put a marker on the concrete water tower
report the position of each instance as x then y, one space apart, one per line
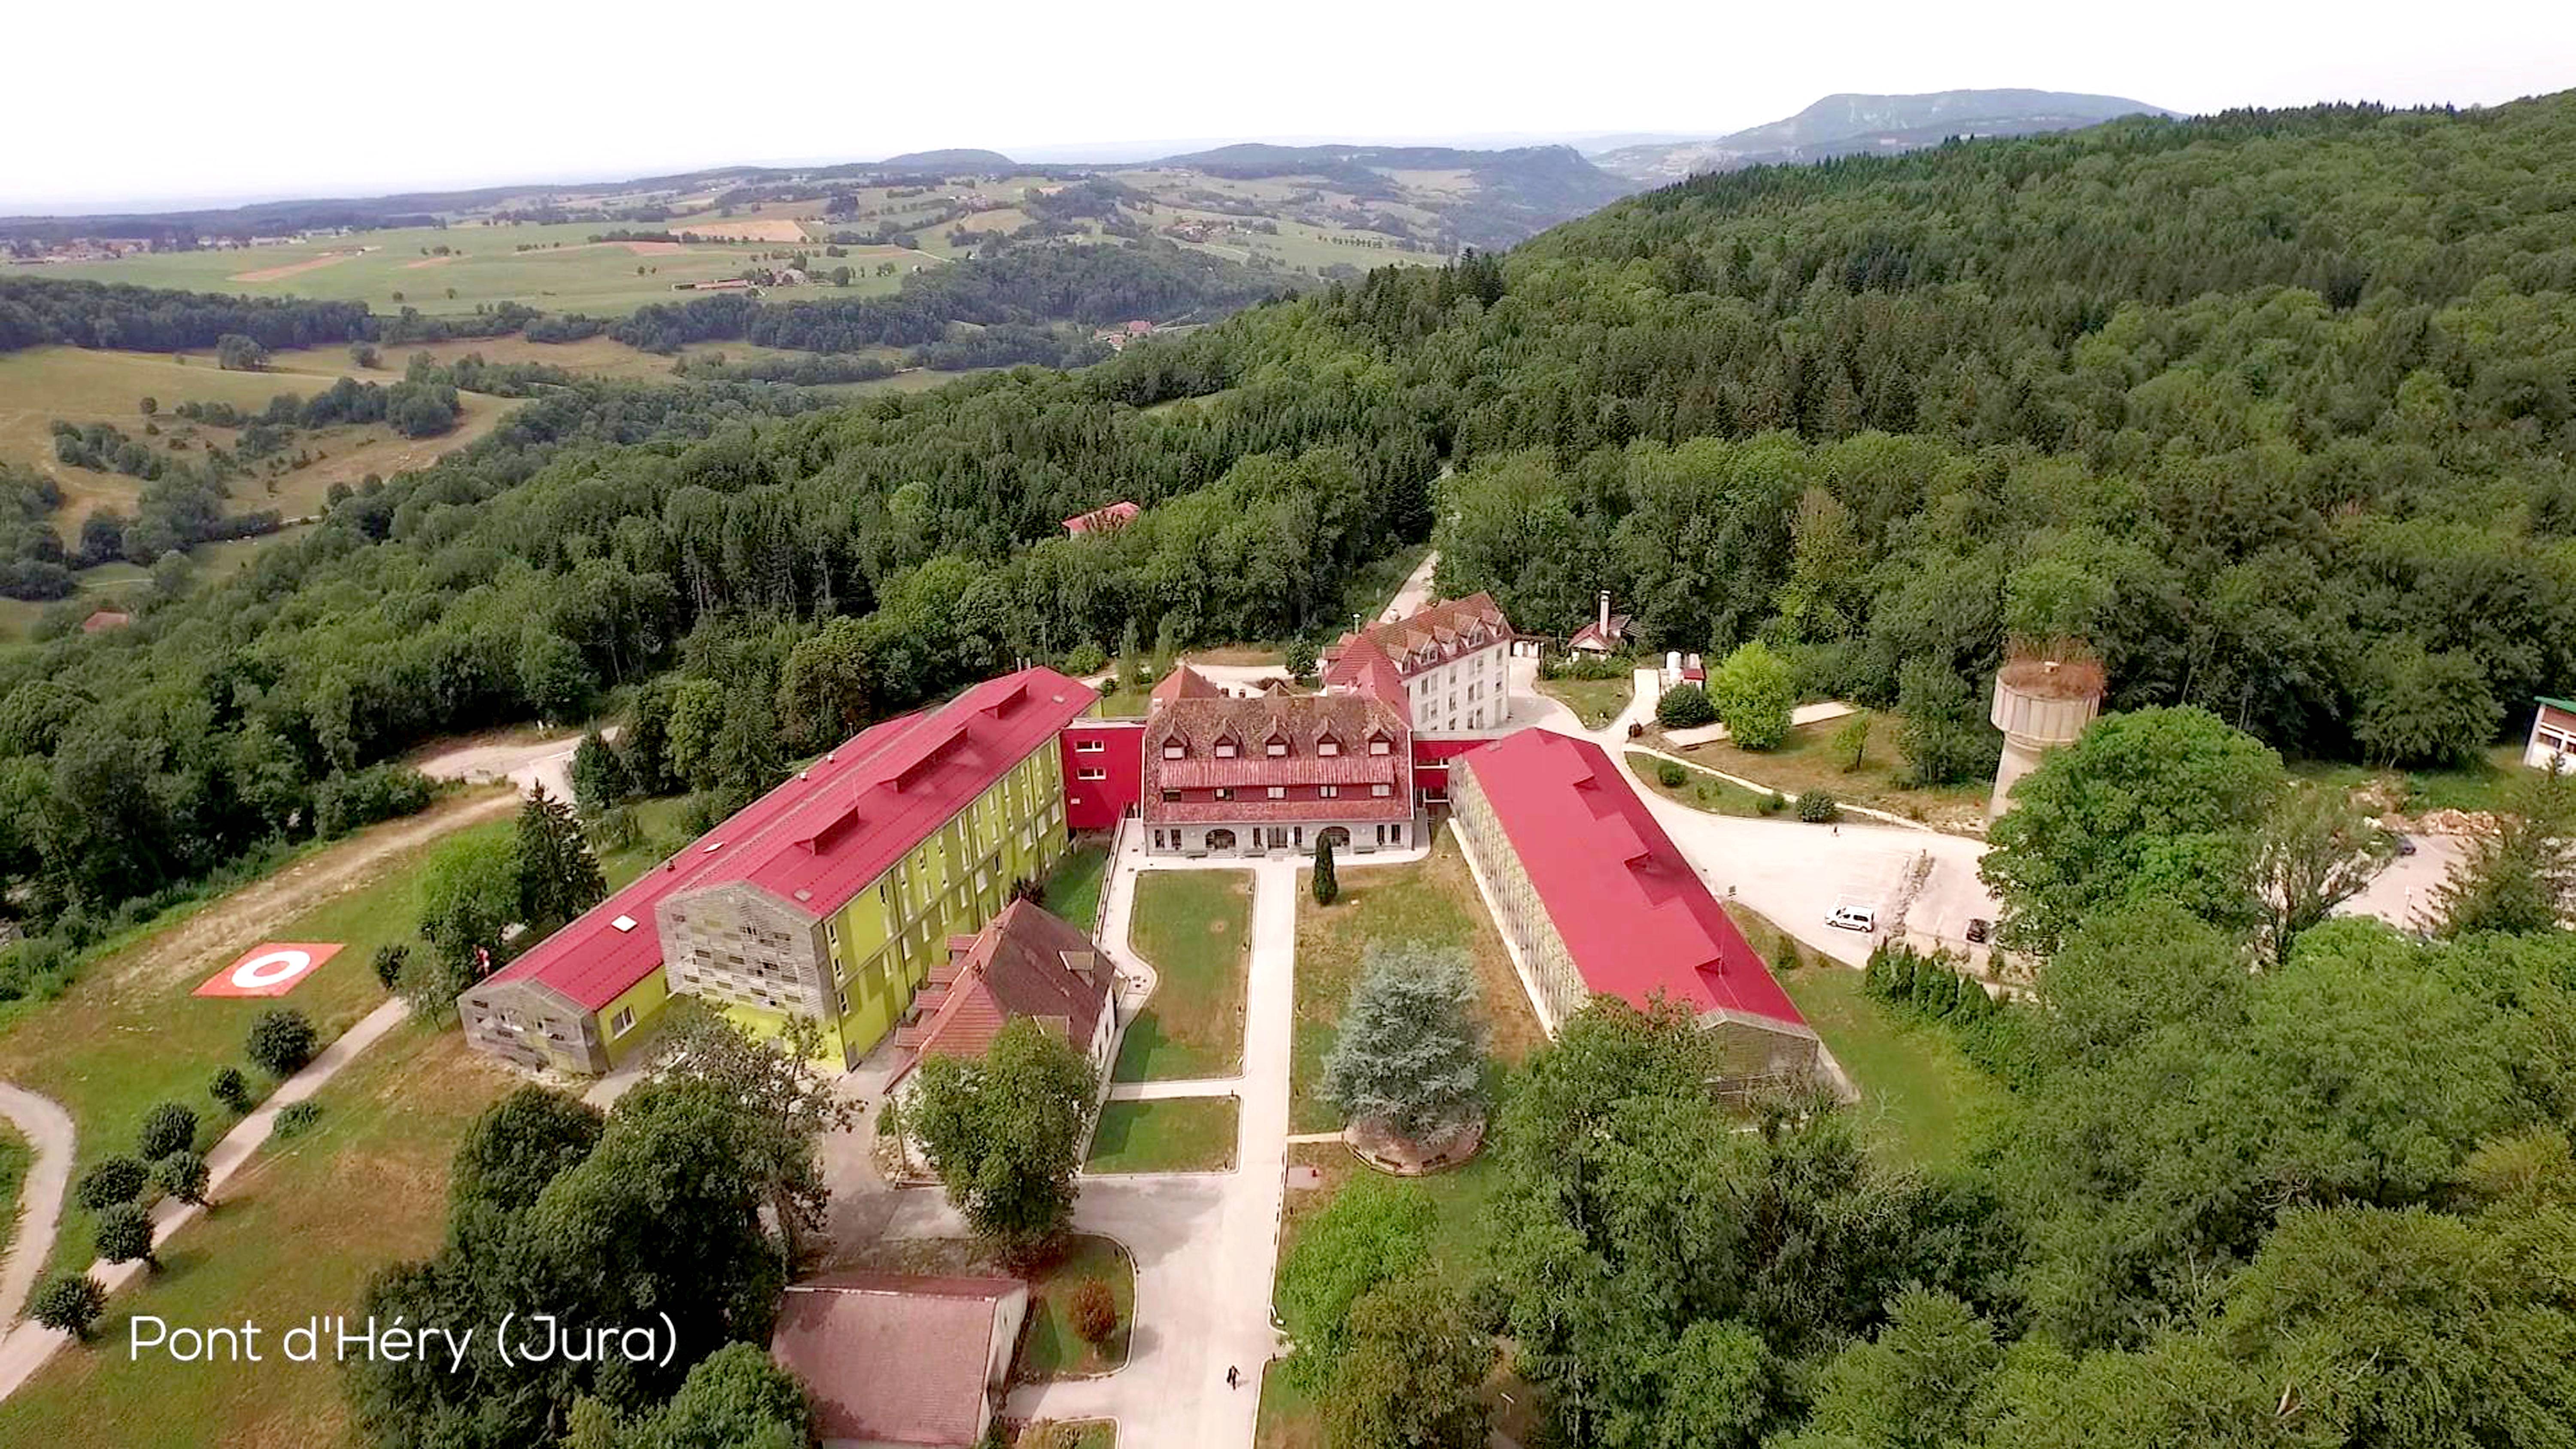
2043 699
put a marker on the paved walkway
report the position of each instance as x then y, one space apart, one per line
1414 592
48 1130
1204 1243
29 1344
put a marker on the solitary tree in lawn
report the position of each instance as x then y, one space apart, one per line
69 1303
1328 887
1004 1133
1411 1054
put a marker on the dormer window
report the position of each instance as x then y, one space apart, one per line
1328 746
1225 749
1174 749
1277 746
1378 745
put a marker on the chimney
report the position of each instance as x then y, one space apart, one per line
1603 618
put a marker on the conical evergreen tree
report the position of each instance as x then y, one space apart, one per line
558 877
1328 887
1411 1054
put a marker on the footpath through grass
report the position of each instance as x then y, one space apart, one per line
1433 901
1175 1134
296 1233
1072 890
126 1036
1194 928
1919 1093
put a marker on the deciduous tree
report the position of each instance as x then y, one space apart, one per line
1004 1133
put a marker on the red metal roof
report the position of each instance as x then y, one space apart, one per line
826 833
893 1359
1631 911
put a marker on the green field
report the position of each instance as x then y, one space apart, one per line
296 1233
1194 928
13 1172
1594 701
1176 1134
1919 1095
1073 887
128 1034
1699 789
551 268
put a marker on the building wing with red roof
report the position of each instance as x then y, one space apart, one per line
821 898
1598 901
901 1360
1025 963
1277 772
1445 665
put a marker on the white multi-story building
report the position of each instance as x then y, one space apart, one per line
1448 665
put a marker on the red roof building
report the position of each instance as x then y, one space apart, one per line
1108 518
901 1360
823 897
1446 666
1596 900
1606 634
1275 772
102 620
1026 962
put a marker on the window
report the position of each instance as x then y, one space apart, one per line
1225 749
1174 749
1328 747
832 935
1089 747
1278 792
1091 774
1171 797
1381 791
1278 748
1224 793
1378 746
1328 792
623 1022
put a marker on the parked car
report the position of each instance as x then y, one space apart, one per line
1978 929
1853 918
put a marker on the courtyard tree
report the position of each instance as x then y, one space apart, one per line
558 878
1328 886
1004 1132
1755 691
2313 852
1410 1375
1410 1056
1094 1312
281 1041
1851 740
772 1079
229 1090
1941 732
183 1175
468 894
1684 706
69 1303
1374 1231
600 781
110 1181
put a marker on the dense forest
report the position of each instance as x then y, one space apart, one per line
2270 411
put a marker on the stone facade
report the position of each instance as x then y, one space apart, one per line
534 1026
738 946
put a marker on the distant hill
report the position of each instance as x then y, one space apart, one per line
1487 199
1848 125
956 159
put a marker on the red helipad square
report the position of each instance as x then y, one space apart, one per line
272 968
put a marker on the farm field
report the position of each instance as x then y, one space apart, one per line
553 268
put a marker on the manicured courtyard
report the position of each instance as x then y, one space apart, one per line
1176 1134
1194 928
1594 701
1433 901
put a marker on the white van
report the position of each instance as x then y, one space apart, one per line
1853 918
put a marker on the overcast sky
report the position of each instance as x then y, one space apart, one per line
158 102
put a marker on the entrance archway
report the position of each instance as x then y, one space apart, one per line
1335 836
1220 840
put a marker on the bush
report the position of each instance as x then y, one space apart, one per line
1819 807
116 1180
167 1128
297 1119
182 1175
1670 775
353 798
1771 804
281 1042
1085 659
1685 706
1094 1312
69 1303
229 1090
125 1234
38 966
391 957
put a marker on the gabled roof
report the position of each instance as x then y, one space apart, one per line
1632 912
1026 962
1426 637
822 837
893 1359
1185 683
1593 633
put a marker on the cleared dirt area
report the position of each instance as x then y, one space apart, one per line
213 935
296 269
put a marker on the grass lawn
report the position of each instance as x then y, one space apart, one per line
658 824
1807 760
1050 1349
1699 789
128 1034
1073 887
2480 785
1087 1434
1595 701
1123 702
1178 1134
14 1158
1918 1093
1194 927
297 1233
1432 900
